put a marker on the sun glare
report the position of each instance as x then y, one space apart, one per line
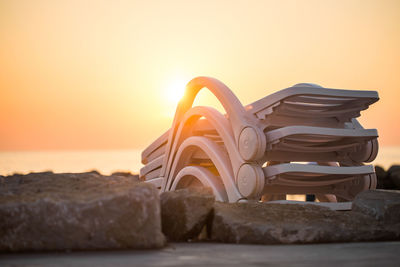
174 90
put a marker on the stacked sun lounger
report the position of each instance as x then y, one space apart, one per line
304 139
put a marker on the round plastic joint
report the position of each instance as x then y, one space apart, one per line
368 152
250 180
250 144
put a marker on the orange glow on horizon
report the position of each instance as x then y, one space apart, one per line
106 75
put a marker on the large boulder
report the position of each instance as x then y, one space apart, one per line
383 205
394 175
185 212
46 211
383 181
380 172
393 168
389 179
263 223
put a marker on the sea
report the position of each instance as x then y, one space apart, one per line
109 161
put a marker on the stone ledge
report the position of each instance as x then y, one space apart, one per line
263 223
383 205
45 211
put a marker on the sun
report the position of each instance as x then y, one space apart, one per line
174 90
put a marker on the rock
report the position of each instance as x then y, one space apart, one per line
393 168
46 211
185 212
263 223
383 205
329 205
381 177
380 172
395 178
126 174
94 172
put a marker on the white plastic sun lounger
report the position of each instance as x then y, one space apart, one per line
303 123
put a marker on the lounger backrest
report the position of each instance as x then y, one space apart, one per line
312 106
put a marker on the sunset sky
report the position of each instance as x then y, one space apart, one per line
108 74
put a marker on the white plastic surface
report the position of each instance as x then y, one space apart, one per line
305 122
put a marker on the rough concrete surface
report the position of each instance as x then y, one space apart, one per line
211 254
185 212
383 205
257 223
46 211
89 211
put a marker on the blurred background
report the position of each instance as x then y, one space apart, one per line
89 84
